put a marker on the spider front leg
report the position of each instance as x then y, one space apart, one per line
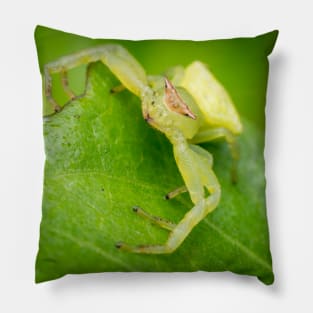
122 64
220 132
117 89
175 192
48 91
195 165
162 222
65 84
180 231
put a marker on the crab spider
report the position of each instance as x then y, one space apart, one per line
190 107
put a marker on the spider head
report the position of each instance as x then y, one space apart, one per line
169 108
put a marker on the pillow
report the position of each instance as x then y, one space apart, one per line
110 160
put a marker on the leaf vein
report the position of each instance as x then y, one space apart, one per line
240 245
236 242
92 247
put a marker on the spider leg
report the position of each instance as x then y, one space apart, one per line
121 63
64 80
195 165
180 232
48 91
117 89
65 85
162 222
175 192
220 132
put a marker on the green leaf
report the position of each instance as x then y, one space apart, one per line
102 159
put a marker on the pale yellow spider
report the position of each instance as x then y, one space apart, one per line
190 107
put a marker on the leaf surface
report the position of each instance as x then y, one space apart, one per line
102 159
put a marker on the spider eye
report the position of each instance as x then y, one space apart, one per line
174 102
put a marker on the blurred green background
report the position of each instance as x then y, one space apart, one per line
237 63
